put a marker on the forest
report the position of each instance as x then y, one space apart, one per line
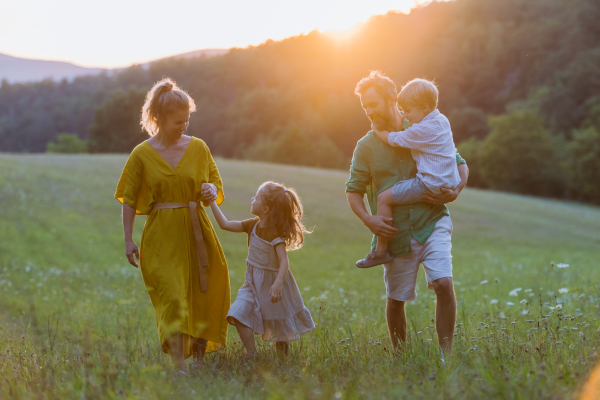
518 79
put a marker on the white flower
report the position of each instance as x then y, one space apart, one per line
502 315
510 303
494 301
563 290
562 265
524 312
482 282
528 290
514 292
552 308
559 306
523 301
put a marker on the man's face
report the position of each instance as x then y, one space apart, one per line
378 110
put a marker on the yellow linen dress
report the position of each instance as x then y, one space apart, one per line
168 252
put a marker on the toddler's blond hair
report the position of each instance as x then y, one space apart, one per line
418 93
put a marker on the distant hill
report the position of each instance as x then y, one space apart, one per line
21 70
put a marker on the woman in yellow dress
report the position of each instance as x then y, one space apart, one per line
181 259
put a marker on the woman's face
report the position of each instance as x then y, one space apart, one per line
175 124
258 208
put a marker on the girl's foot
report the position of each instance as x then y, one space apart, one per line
248 358
375 258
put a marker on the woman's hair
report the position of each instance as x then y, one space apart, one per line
164 98
285 213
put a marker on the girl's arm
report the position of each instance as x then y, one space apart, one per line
284 266
131 248
231 226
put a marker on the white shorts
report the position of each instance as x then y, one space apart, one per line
400 275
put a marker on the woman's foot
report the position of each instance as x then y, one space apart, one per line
375 258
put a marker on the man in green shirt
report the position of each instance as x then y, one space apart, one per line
419 232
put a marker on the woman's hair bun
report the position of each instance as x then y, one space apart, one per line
164 97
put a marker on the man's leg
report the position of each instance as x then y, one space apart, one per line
445 312
396 321
385 201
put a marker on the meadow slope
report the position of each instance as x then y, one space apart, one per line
76 321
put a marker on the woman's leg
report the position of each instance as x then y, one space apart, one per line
282 349
198 348
176 351
247 336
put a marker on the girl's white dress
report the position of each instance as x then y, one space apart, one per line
283 321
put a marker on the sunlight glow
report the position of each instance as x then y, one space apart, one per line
124 32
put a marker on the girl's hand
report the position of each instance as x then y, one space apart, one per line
209 191
131 250
275 292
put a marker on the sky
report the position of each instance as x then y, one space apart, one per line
119 33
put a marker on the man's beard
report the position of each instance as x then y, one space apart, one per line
381 121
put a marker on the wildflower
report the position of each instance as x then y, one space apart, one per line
510 303
562 265
515 291
563 290
502 315
527 290
524 312
482 282
559 306
523 301
494 301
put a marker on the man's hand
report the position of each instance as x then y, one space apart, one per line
209 191
380 226
447 196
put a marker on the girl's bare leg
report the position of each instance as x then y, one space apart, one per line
283 349
385 201
247 336
176 351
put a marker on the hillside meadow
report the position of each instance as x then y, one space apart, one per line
76 321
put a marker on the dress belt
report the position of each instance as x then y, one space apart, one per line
197 228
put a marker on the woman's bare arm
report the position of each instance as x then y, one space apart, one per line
131 249
231 226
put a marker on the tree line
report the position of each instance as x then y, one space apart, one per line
518 79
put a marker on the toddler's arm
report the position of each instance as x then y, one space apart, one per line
231 226
383 135
284 266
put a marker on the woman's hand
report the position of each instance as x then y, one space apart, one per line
132 253
275 292
209 191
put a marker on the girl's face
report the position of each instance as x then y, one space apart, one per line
258 208
175 124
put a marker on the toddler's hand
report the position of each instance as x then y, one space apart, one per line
383 135
209 191
275 292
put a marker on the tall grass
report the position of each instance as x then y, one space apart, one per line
76 321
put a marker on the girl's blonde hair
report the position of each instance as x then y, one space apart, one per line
164 98
285 213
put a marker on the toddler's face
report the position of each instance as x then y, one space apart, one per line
416 114
258 208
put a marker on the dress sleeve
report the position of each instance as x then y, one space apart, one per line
132 188
215 178
247 224
360 173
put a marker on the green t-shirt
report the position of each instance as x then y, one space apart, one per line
377 166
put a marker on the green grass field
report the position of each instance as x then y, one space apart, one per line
76 321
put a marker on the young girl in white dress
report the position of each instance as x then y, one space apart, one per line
269 303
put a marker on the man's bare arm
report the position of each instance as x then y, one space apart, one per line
377 224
